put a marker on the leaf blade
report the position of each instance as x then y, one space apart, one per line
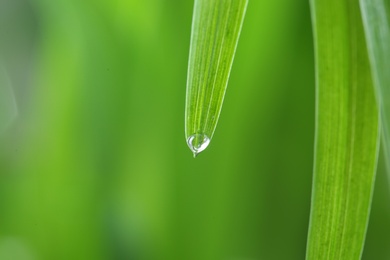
346 148
216 27
376 21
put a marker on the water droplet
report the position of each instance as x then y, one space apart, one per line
197 143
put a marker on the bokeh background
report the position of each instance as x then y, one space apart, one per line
94 164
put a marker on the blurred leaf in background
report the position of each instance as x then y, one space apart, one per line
376 21
95 166
8 108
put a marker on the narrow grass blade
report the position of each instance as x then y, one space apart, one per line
8 109
376 21
216 27
347 133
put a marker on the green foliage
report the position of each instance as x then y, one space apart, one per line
95 166
376 21
8 108
347 133
216 27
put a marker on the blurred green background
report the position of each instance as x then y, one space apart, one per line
95 165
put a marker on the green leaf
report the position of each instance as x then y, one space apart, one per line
216 27
8 109
347 133
376 21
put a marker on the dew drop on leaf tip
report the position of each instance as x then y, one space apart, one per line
198 143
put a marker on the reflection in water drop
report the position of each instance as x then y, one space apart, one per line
197 143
